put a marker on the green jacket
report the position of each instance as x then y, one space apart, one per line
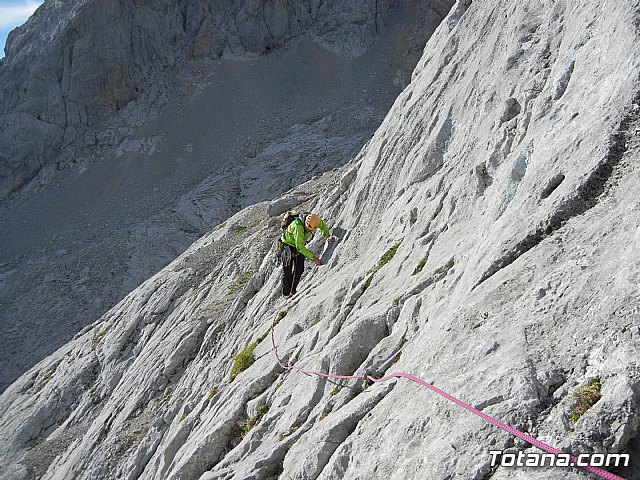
296 236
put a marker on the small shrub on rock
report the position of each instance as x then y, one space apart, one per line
586 397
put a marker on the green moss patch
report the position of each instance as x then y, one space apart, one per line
386 258
586 397
97 338
212 393
241 282
421 264
242 361
248 425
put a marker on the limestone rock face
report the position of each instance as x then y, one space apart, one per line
489 243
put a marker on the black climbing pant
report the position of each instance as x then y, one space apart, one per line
291 273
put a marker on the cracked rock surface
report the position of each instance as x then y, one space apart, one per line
489 243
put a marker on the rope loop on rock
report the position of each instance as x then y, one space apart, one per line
521 435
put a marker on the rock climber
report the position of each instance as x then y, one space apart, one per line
296 234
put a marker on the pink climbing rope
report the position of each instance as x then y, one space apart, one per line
523 436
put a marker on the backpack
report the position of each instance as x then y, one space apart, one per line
283 253
289 218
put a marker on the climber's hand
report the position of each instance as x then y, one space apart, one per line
317 261
331 239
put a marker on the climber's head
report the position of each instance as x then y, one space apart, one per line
311 222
